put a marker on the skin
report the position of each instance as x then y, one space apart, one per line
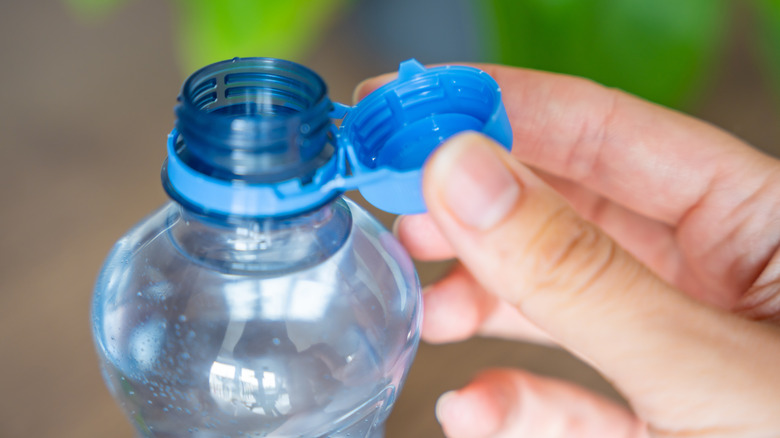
641 239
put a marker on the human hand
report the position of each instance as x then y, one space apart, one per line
640 239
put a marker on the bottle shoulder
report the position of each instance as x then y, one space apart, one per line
144 232
167 242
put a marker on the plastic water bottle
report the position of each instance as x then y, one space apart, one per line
259 302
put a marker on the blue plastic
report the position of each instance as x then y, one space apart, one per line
394 129
228 198
288 165
258 120
252 139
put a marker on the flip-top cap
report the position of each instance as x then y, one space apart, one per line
393 130
255 137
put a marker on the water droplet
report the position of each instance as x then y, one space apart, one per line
276 341
182 318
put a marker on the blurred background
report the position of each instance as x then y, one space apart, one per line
89 88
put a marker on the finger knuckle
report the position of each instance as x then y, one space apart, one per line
570 253
761 302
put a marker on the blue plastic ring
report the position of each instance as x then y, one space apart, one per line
236 198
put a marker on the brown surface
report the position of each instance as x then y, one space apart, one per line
83 115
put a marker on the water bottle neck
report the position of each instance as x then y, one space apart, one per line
258 120
262 245
252 139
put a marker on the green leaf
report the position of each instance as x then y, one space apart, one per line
93 9
768 14
661 50
210 31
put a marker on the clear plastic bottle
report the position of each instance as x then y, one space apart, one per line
216 325
259 302
212 329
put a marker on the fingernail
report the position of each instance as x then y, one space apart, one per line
396 223
478 187
441 404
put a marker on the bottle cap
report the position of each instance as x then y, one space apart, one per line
391 132
380 145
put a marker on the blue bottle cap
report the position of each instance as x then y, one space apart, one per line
392 131
251 139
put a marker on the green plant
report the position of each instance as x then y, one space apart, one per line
662 50
768 13
209 31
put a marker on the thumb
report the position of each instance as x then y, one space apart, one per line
523 243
